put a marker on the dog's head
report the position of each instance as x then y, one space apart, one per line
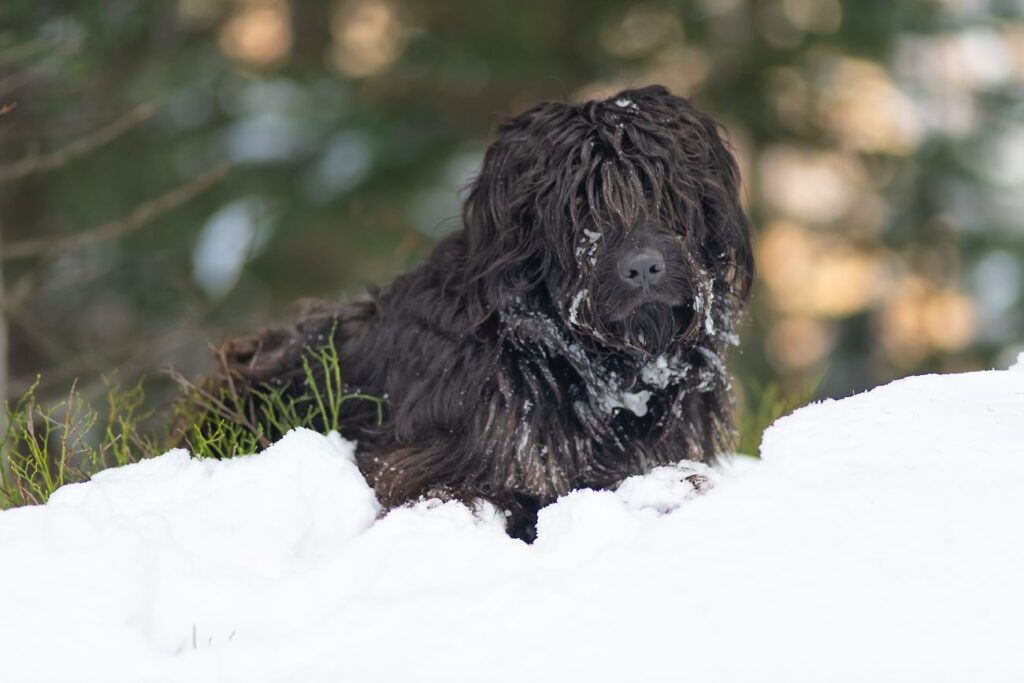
621 214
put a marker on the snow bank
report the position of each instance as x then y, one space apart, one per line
879 539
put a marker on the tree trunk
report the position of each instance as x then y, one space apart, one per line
3 365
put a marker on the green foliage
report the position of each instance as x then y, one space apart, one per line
219 420
763 405
48 445
813 86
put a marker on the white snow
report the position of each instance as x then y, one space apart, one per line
633 401
709 308
878 540
574 307
586 253
626 103
660 373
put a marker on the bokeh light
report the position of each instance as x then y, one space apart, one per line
881 147
258 33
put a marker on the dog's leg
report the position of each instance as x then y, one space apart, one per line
521 520
402 475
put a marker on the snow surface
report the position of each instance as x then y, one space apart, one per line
878 540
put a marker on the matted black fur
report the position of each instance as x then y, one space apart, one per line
518 362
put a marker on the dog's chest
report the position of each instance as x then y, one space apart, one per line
616 403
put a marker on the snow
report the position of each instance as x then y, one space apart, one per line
660 373
574 307
706 302
633 401
626 103
586 253
878 539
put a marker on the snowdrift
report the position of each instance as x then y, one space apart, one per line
879 539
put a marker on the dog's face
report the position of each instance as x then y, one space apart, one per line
622 214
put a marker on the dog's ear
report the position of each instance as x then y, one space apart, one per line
728 241
723 235
502 215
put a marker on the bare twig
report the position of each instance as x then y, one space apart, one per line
130 361
118 228
35 163
14 297
46 343
202 396
20 51
19 78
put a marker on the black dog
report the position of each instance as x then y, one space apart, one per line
569 335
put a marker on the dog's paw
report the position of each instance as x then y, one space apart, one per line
664 489
484 512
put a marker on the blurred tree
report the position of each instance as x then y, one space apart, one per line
881 144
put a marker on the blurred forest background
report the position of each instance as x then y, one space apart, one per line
172 172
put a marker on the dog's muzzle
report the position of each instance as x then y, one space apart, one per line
641 268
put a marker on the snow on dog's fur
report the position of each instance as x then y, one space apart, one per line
519 361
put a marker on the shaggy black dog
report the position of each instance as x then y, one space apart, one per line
569 335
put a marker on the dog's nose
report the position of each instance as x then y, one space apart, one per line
642 268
